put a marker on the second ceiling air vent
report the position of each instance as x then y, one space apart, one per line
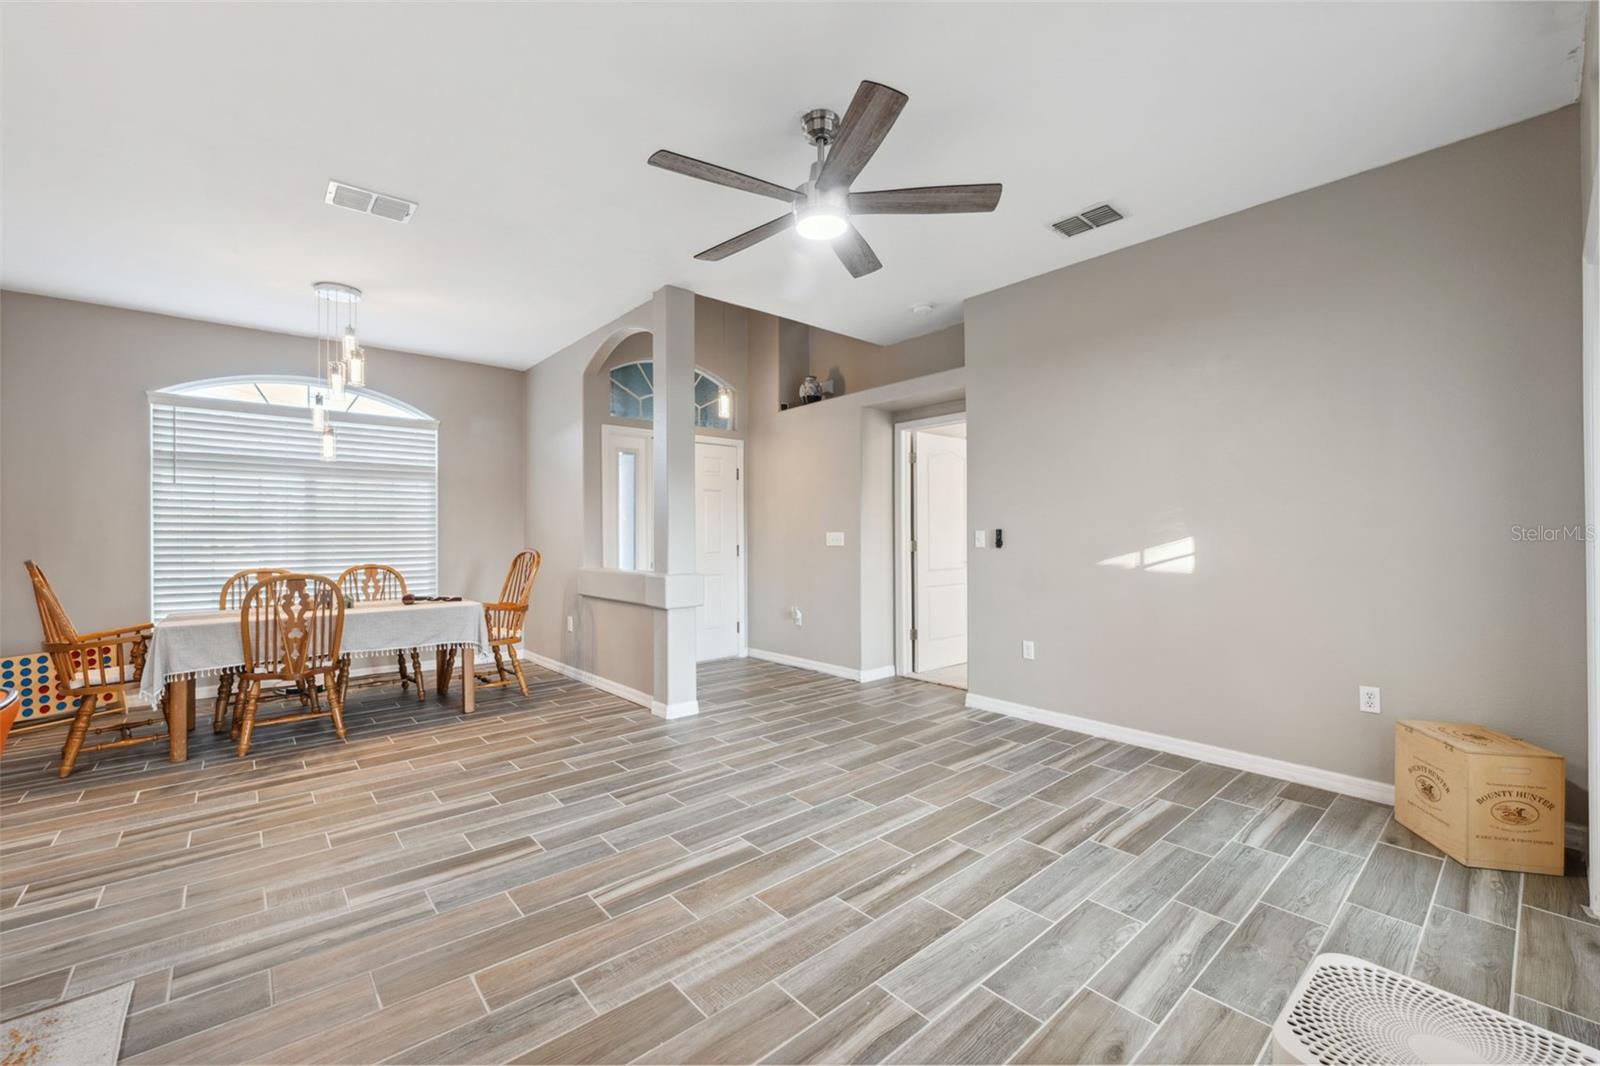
1087 219
368 202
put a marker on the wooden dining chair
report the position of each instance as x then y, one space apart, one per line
506 617
94 669
231 599
374 582
291 627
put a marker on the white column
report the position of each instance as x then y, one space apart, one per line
673 352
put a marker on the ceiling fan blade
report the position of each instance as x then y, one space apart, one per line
863 128
927 200
855 253
748 238
695 168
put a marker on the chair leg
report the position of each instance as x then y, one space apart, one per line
522 680
499 663
76 734
336 709
416 670
247 716
405 679
219 710
342 679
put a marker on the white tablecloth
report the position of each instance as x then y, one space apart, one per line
197 643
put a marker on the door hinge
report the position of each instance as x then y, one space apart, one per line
738 550
913 633
738 627
913 547
737 473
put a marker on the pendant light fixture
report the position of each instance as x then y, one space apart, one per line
341 361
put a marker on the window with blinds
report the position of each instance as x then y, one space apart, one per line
236 485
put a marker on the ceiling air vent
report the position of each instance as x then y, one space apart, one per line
1087 219
369 203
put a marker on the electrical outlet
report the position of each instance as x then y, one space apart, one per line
799 619
835 540
1027 649
569 623
1369 700
978 538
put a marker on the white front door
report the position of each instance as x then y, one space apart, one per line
939 561
718 552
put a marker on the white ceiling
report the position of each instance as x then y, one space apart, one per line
173 157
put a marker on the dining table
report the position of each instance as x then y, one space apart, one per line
187 645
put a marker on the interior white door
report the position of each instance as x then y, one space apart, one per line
717 549
939 561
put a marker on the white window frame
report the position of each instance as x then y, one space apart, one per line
614 441
421 568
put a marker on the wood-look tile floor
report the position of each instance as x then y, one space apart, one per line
809 871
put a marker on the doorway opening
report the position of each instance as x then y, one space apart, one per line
719 548
931 550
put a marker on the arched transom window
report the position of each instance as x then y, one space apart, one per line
633 396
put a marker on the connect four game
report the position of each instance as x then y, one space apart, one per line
31 675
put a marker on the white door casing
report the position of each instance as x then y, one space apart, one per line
719 555
939 564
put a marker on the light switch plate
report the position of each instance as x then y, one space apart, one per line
979 537
835 540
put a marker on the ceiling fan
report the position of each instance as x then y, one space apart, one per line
823 205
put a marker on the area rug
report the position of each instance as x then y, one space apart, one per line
80 1032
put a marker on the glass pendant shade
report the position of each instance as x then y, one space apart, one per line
330 448
348 341
355 367
724 403
319 414
336 381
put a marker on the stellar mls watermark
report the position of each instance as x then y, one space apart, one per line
1552 534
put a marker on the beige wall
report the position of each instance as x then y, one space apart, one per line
829 467
857 365
1349 398
75 450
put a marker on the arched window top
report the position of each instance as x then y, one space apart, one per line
633 396
283 391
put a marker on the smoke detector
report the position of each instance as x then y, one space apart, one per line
1087 219
355 198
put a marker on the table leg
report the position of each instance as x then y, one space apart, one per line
180 717
438 672
469 681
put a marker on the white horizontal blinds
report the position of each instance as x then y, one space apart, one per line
236 486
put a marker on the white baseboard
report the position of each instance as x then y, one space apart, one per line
877 673
1298 773
684 709
604 684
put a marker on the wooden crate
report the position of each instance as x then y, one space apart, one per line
1482 797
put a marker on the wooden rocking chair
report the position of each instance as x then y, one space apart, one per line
506 618
94 669
373 582
291 627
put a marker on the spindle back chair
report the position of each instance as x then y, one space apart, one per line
506 616
376 582
291 627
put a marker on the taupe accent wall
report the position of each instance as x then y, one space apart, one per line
75 450
1351 399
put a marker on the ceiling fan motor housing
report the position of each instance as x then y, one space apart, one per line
820 125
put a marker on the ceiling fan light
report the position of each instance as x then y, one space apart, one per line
819 222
